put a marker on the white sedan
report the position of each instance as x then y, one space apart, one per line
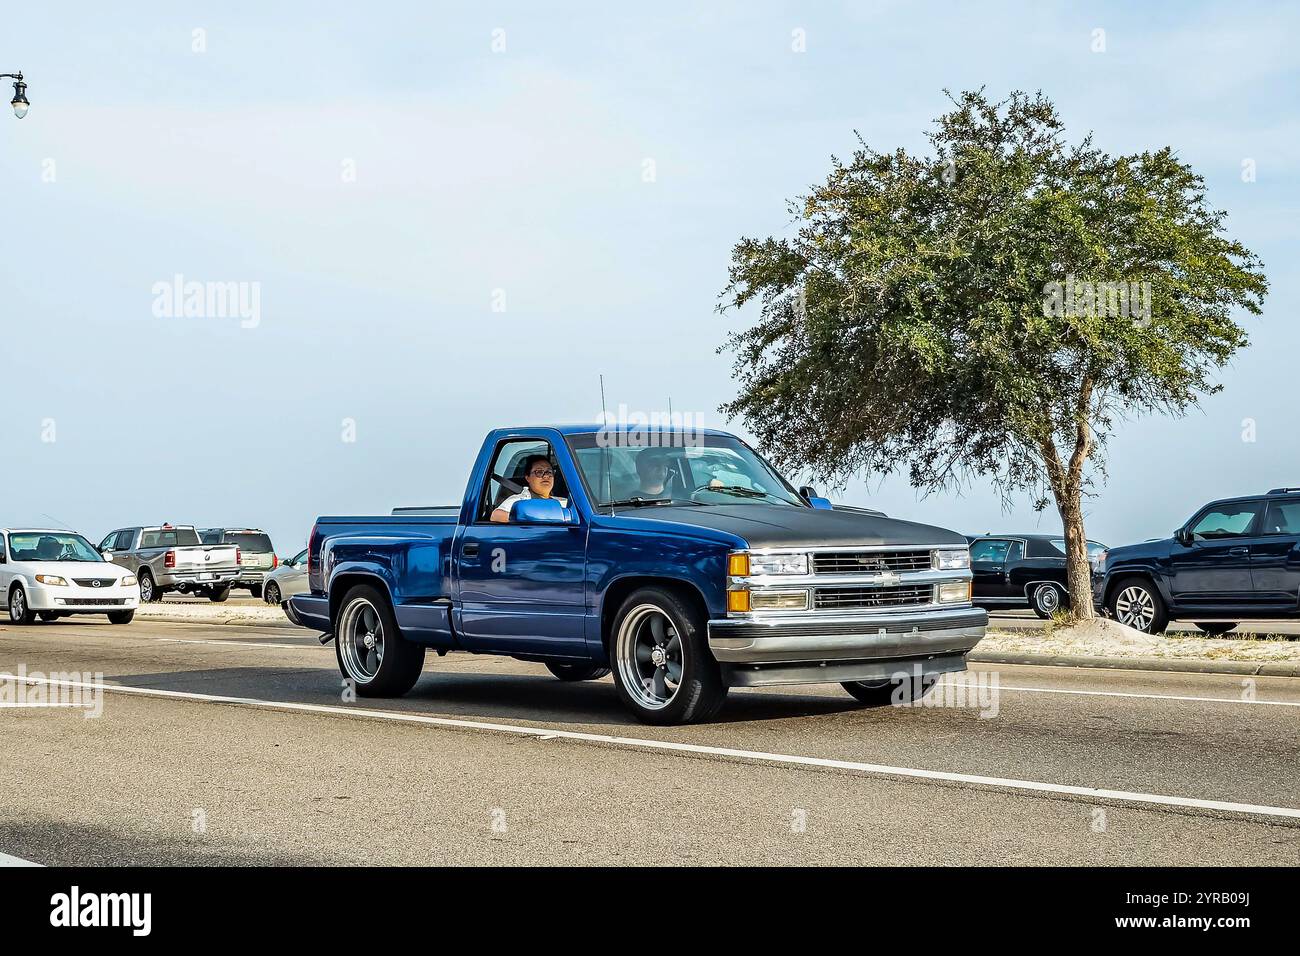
50 574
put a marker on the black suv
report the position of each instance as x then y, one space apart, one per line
1234 560
1021 570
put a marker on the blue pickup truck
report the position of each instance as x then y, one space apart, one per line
679 559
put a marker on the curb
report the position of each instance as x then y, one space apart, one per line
167 619
1250 668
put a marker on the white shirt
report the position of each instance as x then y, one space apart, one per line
526 493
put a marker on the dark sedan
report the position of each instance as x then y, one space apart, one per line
1021 570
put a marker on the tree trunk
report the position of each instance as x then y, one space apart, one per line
1078 572
1066 481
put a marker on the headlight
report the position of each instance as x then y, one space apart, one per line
129 581
953 560
744 564
957 592
53 579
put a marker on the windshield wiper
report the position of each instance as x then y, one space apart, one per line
637 502
744 492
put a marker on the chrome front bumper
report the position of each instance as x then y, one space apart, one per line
818 647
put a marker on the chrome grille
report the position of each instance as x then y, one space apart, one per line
831 599
858 562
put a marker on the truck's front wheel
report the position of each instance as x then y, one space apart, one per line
663 670
372 653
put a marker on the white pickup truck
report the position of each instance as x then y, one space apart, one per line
172 558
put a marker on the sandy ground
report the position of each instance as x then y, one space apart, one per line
1102 637
209 613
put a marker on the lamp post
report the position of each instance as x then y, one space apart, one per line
19 102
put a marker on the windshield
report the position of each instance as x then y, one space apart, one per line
51 546
252 543
712 470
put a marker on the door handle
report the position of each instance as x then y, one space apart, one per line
469 549
1241 550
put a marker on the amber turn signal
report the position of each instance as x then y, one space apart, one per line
737 600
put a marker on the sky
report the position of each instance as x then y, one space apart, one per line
455 217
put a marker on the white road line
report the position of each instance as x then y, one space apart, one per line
230 643
1115 693
1005 783
7 860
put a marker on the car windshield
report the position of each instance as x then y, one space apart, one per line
662 468
251 542
51 546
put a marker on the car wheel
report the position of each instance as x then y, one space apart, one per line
148 589
255 590
218 595
371 651
121 617
271 594
881 693
573 672
1215 628
663 670
19 612
49 615
1046 600
1136 603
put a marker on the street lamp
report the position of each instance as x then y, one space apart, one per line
19 102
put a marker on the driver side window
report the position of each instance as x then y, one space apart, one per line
506 476
1227 521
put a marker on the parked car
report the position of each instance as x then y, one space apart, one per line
288 579
50 574
1234 560
257 554
1021 570
722 576
172 558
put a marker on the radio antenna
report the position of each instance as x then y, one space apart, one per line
604 415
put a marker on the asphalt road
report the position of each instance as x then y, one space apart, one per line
493 761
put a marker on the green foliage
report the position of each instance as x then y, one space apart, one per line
903 325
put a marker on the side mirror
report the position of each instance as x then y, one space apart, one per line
542 511
108 555
821 504
1183 537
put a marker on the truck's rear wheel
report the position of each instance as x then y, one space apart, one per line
879 693
663 670
148 590
255 590
219 594
371 651
571 672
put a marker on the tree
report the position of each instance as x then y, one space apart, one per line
988 310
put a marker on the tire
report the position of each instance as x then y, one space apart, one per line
149 591
1136 603
49 615
256 590
218 595
882 693
659 639
386 665
576 672
19 612
271 593
1215 628
1046 600
121 617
